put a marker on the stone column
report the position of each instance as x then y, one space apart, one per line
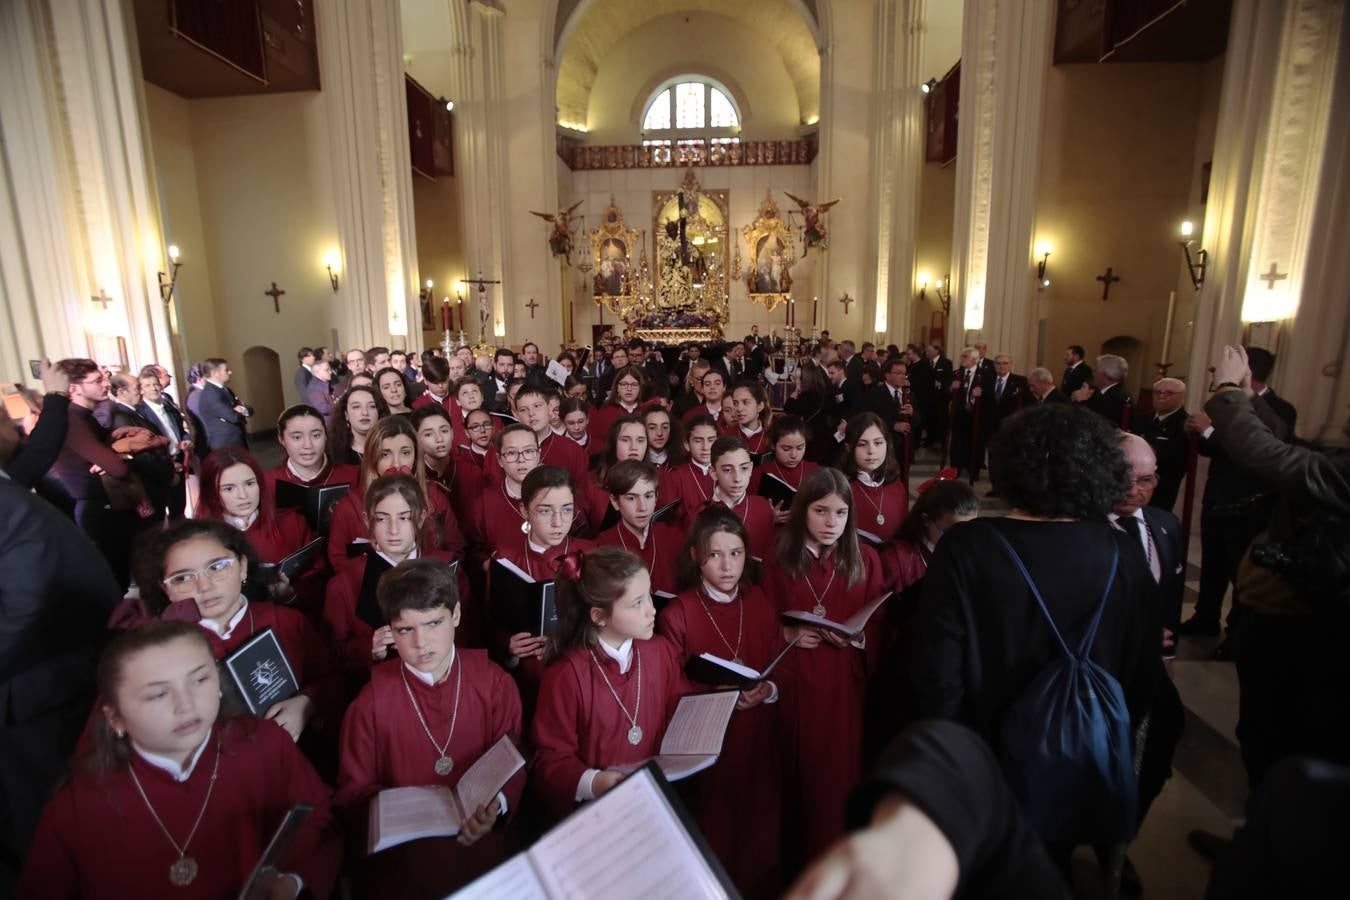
1005 55
361 60
79 215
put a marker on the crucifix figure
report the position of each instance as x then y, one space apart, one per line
483 312
1107 280
275 293
532 306
101 298
846 300
1272 276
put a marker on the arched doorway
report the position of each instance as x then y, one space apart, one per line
262 382
1132 351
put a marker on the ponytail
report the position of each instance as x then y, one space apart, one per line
591 580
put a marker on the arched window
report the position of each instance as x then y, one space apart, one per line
689 107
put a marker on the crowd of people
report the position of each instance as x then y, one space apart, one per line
680 501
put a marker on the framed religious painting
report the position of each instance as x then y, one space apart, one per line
612 246
769 249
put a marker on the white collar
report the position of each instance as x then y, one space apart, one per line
642 538
585 439
216 383
290 467
701 467
307 368
1166 415
154 404
1265 390
658 457
560 432
125 405
474 448
715 412
812 550
536 547
626 407
718 596
623 656
1075 365
868 481
242 524
748 433
719 497
513 494
175 771
382 555
1108 387
1138 514
224 633
426 677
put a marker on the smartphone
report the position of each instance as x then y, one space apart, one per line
35 366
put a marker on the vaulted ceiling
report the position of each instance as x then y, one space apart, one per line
589 29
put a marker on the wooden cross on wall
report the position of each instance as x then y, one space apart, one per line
275 293
532 306
1107 280
101 298
846 300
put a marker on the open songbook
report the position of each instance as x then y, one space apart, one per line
300 560
519 603
665 513
314 503
694 737
851 628
398 815
274 857
709 669
870 539
652 849
777 491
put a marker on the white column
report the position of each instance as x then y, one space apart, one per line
361 58
79 210
1005 56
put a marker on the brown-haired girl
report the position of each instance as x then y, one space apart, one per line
501 516
634 488
626 442
352 418
461 483
608 695
750 406
719 611
173 801
821 568
575 413
874 474
789 438
625 399
304 436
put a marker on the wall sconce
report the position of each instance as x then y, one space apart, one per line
1194 264
927 86
426 291
331 262
167 280
1043 251
923 286
449 104
944 296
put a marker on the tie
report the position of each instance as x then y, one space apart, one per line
1132 526
998 394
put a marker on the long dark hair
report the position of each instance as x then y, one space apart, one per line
591 580
641 376
857 426
793 555
209 505
339 430
610 457
711 520
947 497
154 547
675 453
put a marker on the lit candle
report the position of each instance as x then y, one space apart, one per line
446 318
815 301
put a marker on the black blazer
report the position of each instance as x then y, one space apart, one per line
848 399
877 399
1171 445
224 425
174 416
1055 396
1014 396
1075 377
1113 405
1165 529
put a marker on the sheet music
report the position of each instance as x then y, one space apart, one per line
628 844
403 814
482 780
743 671
684 765
514 878
699 724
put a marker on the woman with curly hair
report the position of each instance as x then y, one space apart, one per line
979 637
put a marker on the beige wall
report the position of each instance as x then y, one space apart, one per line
440 250
933 249
692 42
1117 174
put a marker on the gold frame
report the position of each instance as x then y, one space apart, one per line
721 200
768 224
613 228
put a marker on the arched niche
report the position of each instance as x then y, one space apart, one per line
262 387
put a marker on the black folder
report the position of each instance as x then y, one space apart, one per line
260 672
314 503
777 491
520 604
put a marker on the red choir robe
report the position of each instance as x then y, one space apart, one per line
274 541
384 746
823 699
579 725
461 486
703 410
890 502
542 567
664 543
757 515
598 425
757 443
747 776
98 839
331 473
499 519
693 487
592 503
441 531
792 477
554 450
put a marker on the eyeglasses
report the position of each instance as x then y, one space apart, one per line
1145 481
517 455
481 426
216 571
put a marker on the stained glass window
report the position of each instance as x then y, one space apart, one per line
691 104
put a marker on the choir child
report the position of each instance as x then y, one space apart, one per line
424 719
394 390
821 568
719 611
207 563
633 488
501 514
353 417
624 398
548 501
391 447
534 411
396 511
692 482
732 469
468 397
479 425
626 440
233 491
576 420
436 380
610 688
174 800
874 474
713 387
304 438
665 439
752 413
788 437
460 483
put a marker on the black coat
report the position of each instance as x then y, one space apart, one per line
1171 445
1113 405
1013 400
878 399
1164 529
1055 396
1075 377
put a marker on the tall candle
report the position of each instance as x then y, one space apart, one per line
1167 330
446 319
815 301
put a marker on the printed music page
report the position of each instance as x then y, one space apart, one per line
514 878
405 814
480 782
699 724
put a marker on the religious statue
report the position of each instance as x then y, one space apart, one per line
814 232
560 239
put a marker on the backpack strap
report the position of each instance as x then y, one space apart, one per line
1085 645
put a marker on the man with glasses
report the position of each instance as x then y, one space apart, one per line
1164 428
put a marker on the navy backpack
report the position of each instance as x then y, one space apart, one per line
1067 751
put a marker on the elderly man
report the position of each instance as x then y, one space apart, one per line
1041 388
1106 396
971 392
1165 430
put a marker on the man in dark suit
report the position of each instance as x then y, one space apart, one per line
736 365
304 373
1076 372
1107 396
642 355
970 415
1041 388
940 374
223 416
157 408
1165 431
985 365
888 401
153 465
847 392
1009 394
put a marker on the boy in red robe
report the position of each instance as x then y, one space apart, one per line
633 490
732 469
692 481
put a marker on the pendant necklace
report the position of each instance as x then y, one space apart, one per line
641 549
184 869
634 733
740 624
444 764
693 469
524 522
881 520
819 609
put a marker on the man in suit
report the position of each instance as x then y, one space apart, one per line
940 375
1159 537
649 360
736 365
1076 372
319 392
152 464
970 414
1041 388
1165 431
888 401
847 392
1106 395
1009 394
985 365
304 373
223 416
167 421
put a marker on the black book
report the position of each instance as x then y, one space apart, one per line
274 857
300 560
661 599
760 459
851 628
367 602
707 668
260 672
314 503
777 491
519 603
667 512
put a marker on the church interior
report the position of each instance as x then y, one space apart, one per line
1151 181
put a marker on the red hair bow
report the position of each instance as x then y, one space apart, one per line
948 474
571 566
132 612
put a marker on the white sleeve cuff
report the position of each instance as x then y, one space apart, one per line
838 438
501 801
586 785
773 693
1207 432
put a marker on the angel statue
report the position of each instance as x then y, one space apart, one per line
813 230
560 239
